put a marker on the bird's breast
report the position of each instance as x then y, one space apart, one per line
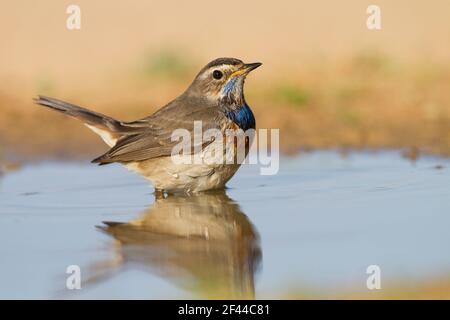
242 116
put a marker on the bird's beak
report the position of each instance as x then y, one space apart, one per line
251 66
246 68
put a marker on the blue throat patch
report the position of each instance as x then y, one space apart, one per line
242 116
229 86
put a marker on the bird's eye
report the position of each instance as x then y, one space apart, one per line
217 74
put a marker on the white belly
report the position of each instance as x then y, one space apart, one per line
168 175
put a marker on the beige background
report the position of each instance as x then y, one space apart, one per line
114 34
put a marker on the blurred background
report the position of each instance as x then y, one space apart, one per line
327 82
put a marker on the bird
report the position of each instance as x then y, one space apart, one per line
215 99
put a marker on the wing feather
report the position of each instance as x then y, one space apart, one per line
154 139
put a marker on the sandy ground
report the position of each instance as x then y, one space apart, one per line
432 289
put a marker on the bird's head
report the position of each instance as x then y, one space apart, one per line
223 80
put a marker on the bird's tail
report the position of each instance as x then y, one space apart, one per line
85 115
108 128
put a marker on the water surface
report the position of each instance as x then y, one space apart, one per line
314 227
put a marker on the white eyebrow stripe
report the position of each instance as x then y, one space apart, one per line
221 67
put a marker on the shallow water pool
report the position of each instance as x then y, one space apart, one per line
314 228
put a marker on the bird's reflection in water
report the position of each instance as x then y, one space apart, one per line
203 243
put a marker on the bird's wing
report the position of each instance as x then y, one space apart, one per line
154 138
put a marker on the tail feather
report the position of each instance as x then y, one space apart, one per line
92 118
109 129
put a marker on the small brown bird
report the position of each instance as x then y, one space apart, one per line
215 99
